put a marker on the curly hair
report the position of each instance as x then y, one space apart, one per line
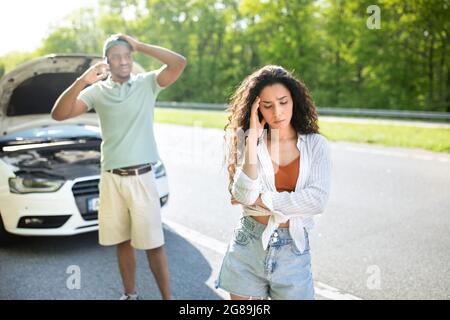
304 115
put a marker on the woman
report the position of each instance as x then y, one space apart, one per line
279 171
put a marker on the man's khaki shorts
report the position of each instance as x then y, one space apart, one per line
130 210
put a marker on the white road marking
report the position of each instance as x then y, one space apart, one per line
220 247
196 237
331 293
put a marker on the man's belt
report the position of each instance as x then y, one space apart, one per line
132 171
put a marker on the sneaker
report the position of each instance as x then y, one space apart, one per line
127 296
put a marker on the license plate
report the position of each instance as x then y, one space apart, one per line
93 204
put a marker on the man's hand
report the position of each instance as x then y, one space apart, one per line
174 62
97 72
134 43
68 105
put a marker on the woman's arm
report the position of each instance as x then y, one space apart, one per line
246 186
245 189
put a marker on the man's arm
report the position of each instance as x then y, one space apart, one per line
67 105
175 63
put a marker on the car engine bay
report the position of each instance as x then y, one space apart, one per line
68 162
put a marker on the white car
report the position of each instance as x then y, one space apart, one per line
49 170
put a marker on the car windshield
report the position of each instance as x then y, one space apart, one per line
51 133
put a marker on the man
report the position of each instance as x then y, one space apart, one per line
129 213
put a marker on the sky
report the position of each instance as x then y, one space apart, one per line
24 23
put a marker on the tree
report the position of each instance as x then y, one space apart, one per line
78 33
403 65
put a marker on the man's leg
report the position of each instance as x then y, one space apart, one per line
115 226
127 265
158 264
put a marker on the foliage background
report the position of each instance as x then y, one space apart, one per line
403 65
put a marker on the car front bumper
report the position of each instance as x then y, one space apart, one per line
60 213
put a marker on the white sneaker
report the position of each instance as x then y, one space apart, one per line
127 296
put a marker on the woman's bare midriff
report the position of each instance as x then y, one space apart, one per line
265 220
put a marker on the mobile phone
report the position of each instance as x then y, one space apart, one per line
105 60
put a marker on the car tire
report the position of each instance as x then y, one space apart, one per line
5 236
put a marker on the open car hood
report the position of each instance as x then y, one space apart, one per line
28 93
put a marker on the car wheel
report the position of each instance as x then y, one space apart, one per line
5 236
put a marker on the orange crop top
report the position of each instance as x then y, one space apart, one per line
286 177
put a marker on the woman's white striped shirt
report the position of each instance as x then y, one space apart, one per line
299 206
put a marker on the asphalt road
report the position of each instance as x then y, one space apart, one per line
384 235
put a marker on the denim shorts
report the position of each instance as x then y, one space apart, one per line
281 272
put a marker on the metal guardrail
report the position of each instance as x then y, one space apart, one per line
192 105
424 115
390 114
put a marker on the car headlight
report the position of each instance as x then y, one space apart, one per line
27 185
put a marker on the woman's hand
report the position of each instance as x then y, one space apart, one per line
258 203
256 126
234 201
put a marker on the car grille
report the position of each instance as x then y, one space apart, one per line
83 191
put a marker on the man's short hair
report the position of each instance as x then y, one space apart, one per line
114 41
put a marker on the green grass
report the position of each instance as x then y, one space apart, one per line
434 139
